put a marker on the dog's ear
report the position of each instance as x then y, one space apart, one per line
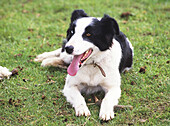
78 14
109 25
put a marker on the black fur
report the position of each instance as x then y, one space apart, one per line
71 31
102 32
127 58
78 14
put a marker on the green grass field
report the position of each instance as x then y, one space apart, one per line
33 97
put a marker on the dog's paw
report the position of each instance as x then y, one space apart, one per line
41 57
46 62
106 114
82 111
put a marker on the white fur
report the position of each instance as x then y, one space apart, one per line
4 73
89 76
66 58
131 46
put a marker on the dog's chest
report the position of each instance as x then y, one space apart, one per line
91 75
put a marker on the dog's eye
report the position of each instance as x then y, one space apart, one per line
88 34
71 32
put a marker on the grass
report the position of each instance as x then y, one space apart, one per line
29 28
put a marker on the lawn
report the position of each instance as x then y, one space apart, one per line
33 97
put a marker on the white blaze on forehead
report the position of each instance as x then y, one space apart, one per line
82 23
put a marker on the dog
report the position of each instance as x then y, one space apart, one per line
96 52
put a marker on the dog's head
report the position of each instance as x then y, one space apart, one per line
87 35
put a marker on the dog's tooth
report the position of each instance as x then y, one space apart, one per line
85 55
87 52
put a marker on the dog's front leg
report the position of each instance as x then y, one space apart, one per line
47 55
74 96
108 103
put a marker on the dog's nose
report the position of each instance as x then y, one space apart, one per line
69 49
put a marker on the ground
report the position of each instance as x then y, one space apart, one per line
34 97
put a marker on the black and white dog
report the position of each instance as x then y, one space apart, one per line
96 52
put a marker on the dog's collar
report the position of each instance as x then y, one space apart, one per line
100 68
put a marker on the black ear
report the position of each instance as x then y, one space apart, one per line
109 25
78 14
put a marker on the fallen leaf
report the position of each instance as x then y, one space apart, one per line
60 35
10 101
124 22
142 70
43 96
142 120
18 55
20 68
31 56
125 15
49 80
54 103
29 60
129 124
54 99
24 11
155 76
24 88
133 83
17 104
65 120
18 100
14 72
30 29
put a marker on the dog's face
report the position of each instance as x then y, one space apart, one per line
87 35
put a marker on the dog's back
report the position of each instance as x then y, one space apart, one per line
127 52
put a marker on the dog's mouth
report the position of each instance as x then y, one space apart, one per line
78 61
85 56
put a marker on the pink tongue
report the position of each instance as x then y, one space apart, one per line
74 66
